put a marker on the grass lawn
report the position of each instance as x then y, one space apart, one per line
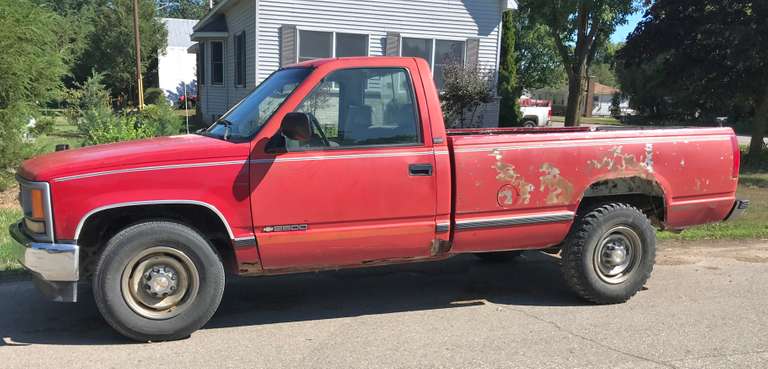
7 217
610 121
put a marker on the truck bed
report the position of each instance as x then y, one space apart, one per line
537 178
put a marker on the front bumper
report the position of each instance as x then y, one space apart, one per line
739 207
54 266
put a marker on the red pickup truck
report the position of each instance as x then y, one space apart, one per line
343 163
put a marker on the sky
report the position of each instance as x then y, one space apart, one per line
621 33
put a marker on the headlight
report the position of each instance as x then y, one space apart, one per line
36 203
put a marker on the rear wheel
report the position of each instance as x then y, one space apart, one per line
158 281
499 256
529 124
609 254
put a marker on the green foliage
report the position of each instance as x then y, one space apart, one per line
105 127
698 59
110 44
577 28
509 88
153 96
32 60
616 105
187 9
538 62
160 119
466 89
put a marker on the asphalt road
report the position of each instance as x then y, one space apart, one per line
704 307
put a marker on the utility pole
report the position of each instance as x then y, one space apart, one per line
137 37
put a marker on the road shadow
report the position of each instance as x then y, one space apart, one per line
535 280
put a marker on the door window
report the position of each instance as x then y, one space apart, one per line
361 107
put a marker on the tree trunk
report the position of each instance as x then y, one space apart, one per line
759 126
575 96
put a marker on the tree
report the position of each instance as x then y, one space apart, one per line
110 44
32 63
538 62
509 88
187 9
702 58
467 88
577 28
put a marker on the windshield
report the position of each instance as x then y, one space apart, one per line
247 117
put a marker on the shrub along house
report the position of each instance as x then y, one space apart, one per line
240 42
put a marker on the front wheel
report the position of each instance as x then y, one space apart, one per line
609 254
158 281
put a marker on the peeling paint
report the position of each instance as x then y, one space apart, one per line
560 189
507 172
618 162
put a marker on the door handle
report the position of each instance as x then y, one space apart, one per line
420 169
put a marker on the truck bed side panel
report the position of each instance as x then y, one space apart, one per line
518 191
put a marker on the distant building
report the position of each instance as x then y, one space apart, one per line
597 101
241 42
177 68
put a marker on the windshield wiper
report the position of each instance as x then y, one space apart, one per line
227 127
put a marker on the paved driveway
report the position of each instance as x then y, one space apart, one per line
704 307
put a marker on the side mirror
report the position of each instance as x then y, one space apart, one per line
297 127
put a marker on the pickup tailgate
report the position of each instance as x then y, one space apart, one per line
522 188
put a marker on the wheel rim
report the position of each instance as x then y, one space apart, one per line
160 283
617 254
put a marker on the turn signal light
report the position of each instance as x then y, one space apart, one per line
36 199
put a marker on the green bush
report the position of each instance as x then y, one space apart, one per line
154 96
160 119
102 126
43 126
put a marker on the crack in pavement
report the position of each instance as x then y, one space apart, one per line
715 356
593 341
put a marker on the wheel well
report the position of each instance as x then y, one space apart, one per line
642 193
532 118
101 226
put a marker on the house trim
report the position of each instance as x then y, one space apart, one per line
199 36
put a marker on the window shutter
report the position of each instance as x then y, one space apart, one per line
288 47
473 51
393 44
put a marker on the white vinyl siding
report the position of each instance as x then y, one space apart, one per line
440 19
456 20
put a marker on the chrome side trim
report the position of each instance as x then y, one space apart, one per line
150 168
153 202
513 221
244 241
442 227
242 162
592 142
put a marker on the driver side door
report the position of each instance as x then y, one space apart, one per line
362 189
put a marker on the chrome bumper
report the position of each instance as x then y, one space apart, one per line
739 207
54 266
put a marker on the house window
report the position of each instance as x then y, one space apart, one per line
217 63
349 44
240 59
201 64
316 45
438 53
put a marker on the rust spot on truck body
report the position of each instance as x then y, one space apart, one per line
620 164
508 173
560 189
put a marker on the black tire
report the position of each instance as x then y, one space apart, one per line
595 244
499 256
182 242
529 124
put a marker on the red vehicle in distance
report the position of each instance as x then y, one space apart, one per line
346 163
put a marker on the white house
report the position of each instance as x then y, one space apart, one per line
177 67
240 42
